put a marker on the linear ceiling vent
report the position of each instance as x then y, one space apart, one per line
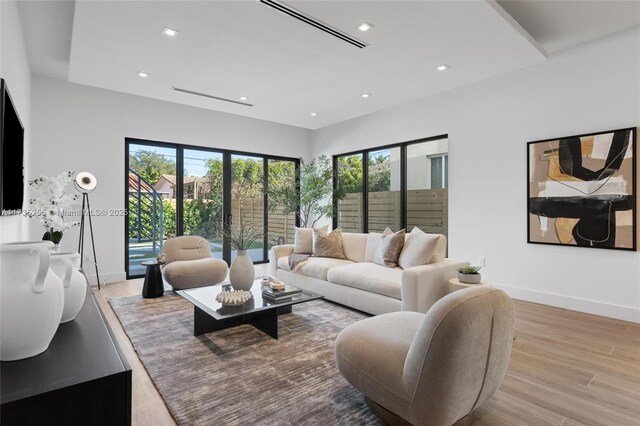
314 22
191 92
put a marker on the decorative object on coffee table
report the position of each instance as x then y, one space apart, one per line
277 292
233 297
470 274
153 285
276 285
242 237
242 272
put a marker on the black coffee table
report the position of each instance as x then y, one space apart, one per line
210 315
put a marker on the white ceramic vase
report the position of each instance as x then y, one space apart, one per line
31 299
242 272
65 266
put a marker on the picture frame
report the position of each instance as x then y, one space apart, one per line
581 190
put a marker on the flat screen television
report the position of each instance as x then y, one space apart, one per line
11 155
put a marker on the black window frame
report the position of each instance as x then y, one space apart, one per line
365 190
226 176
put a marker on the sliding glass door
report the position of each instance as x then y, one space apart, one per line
151 202
203 197
177 190
281 226
247 200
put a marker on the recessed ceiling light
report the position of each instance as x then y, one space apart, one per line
365 95
169 32
365 26
443 67
243 98
142 74
313 114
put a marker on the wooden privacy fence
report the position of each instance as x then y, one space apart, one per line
251 209
426 209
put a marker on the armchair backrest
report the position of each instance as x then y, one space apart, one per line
459 355
186 247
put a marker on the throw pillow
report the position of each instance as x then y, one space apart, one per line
389 248
328 245
418 249
303 239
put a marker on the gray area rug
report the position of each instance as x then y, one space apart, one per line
240 376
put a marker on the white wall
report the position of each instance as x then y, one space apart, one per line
82 128
14 68
591 87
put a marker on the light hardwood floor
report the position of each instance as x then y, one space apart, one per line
567 368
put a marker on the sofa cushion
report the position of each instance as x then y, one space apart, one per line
373 241
389 248
354 246
183 274
328 245
369 277
283 263
418 249
303 239
186 247
314 267
441 249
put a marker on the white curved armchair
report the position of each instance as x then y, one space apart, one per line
432 369
188 263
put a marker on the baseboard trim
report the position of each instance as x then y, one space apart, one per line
626 313
113 277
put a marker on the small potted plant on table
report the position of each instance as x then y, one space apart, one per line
469 274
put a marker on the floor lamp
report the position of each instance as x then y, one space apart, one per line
85 183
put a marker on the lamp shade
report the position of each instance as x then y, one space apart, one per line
85 182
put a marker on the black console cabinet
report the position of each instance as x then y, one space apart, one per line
82 379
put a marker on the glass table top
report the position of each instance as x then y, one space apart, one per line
205 299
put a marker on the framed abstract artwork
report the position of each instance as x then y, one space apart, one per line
582 190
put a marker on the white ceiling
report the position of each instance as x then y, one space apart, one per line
561 24
288 69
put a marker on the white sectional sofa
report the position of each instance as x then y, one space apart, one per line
359 283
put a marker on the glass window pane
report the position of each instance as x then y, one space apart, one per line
203 197
426 198
436 172
383 184
446 171
281 177
247 200
152 219
350 208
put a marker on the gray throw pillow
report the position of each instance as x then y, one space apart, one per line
390 248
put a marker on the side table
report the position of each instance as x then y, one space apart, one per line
153 285
455 284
